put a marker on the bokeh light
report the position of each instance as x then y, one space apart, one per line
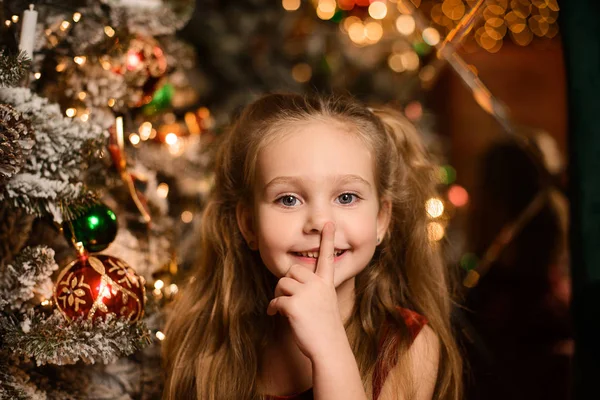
458 196
435 231
434 207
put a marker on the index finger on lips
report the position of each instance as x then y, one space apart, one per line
326 252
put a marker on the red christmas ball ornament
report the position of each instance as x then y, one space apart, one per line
99 285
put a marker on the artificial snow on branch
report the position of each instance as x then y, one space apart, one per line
63 150
28 275
52 340
39 195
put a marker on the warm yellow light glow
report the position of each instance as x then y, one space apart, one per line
434 207
453 9
290 5
431 36
7 23
45 302
145 130
427 73
159 284
395 62
111 102
70 112
325 15
348 22
65 25
162 190
37 75
356 32
110 32
405 24
411 61
373 31
134 138
187 217
173 288
76 17
171 139
160 336
435 231
15 18
85 117
203 112
301 72
81 95
80 60
60 67
378 10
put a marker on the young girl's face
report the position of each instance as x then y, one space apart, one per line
319 172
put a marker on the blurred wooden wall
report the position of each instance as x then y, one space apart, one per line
530 80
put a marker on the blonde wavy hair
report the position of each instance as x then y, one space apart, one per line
219 327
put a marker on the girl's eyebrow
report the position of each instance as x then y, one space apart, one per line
340 179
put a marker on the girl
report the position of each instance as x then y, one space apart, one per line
316 278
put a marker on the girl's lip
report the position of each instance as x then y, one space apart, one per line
311 260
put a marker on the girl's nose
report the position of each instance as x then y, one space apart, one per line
316 219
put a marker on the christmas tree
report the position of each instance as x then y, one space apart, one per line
108 124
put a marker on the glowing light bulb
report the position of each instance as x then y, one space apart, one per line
187 217
171 139
435 231
133 60
162 190
434 207
405 24
378 10
290 5
134 138
110 32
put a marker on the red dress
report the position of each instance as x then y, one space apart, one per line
414 322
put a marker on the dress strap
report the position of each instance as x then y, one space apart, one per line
414 322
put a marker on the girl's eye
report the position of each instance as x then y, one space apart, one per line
346 198
288 200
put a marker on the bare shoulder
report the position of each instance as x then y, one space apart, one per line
416 371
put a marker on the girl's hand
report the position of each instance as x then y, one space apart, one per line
309 301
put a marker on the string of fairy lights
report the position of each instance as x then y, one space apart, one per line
369 21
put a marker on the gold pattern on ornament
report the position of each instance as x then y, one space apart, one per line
97 265
72 291
108 288
124 271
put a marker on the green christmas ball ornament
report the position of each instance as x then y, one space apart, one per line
96 228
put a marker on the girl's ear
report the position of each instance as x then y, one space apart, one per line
245 222
383 218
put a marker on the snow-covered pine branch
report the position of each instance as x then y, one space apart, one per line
29 274
63 150
51 340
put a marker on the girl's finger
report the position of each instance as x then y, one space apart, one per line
325 261
281 305
300 273
287 287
